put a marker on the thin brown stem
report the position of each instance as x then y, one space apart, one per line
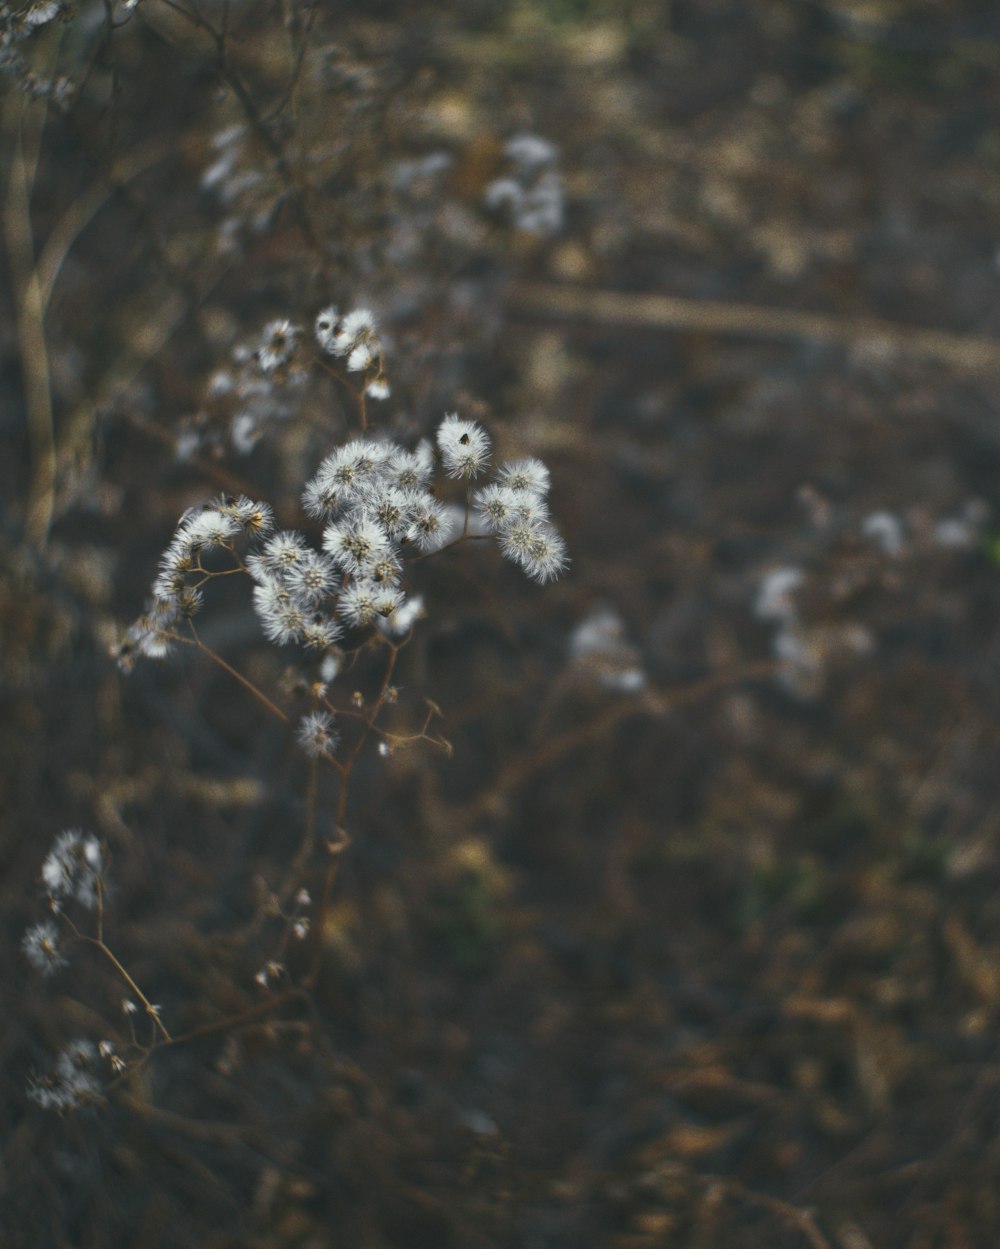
151 1010
244 681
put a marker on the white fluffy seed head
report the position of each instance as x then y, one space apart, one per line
283 551
464 447
277 345
359 603
529 474
537 548
501 506
313 578
411 470
41 946
74 868
429 526
209 528
255 518
320 632
355 543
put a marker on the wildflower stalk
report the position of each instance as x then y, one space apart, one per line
98 943
244 681
151 1010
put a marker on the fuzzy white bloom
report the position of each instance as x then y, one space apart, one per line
208 528
71 1083
316 735
189 602
355 336
774 596
357 327
464 446
220 384
360 358
359 602
430 526
386 569
378 389
495 505
504 192
334 483
501 506
537 548
356 543
284 551
528 474
283 622
255 518
532 194
412 470
598 646
390 506
177 561
388 599
150 636
269 595
530 151
399 622
313 578
320 632
41 947
886 530
245 431
74 868
277 345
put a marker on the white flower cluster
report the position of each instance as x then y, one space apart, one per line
355 338
175 598
532 193
375 501
257 389
374 497
248 196
253 393
72 1083
515 508
74 869
599 647
803 651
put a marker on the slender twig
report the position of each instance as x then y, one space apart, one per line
30 311
676 313
152 1011
244 681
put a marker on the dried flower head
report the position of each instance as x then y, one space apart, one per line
42 949
464 447
74 868
71 1084
316 735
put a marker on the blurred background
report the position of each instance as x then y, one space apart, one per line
693 940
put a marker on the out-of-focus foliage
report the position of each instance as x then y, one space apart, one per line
694 938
